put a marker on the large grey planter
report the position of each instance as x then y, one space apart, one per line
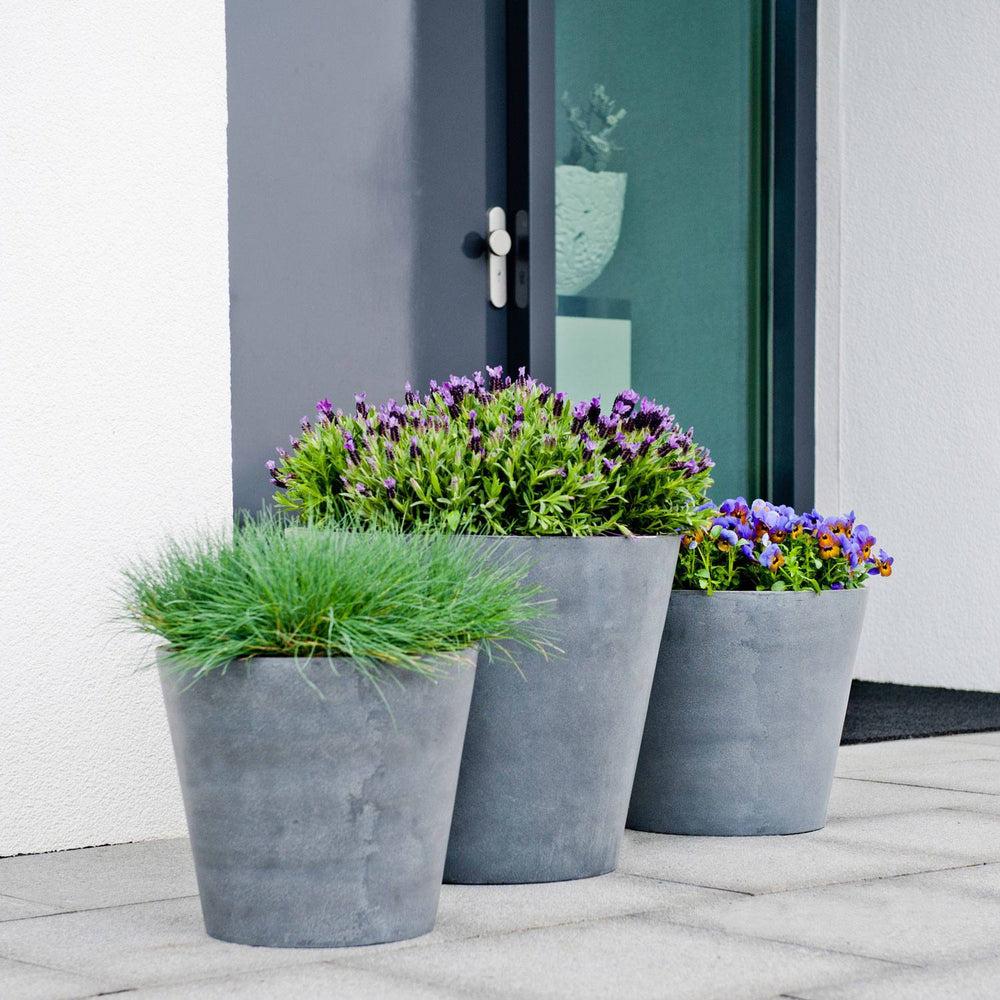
746 712
318 821
550 752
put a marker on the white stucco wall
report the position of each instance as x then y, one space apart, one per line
114 406
908 404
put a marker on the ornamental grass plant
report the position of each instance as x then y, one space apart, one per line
759 546
379 597
497 456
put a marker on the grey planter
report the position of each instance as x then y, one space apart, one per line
549 756
318 821
746 712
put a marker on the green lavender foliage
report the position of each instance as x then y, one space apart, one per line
505 458
380 597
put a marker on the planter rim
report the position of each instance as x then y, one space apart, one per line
754 594
163 653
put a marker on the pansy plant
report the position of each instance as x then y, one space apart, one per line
500 456
761 546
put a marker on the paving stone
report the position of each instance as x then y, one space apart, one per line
21 981
990 739
769 864
145 944
959 834
853 798
636 956
866 757
474 910
959 981
102 876
322 981
980 775
18 909
913 919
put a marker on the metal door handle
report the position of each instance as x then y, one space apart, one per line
498 244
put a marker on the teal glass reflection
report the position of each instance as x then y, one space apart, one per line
659 210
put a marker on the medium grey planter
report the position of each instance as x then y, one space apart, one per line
550 752
318 821
746 712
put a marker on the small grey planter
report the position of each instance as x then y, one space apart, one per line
318 821
550 756
746 712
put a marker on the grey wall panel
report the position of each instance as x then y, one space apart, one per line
357 165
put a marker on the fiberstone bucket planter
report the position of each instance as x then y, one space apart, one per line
318 819
550 752
746 712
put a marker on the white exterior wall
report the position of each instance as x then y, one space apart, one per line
908 316
114 407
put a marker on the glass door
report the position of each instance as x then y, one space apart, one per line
660 214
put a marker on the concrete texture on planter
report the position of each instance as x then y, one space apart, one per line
746 712
550 752
318 818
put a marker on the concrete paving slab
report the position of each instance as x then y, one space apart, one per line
863 757
959 981
322 981
636 956
144 944
768 864
475 910
853 798
979 775
21 981
991 739
102 876
964 836
912 919
19 909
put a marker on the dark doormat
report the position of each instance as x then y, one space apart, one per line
903 711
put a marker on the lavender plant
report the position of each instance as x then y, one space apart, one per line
759 546
500 456
592 146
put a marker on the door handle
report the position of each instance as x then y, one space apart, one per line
498 244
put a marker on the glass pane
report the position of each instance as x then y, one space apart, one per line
658 213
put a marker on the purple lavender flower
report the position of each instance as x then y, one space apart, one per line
558 402
609 466
282 454
350 447
515 428
594 410
549 440
390 486
560 472
305 425
359 402
476 441
580 412
496 377
519 410
362 490
411 397
294 442
325 409
471 422
414 447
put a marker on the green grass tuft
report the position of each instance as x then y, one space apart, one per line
380 597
